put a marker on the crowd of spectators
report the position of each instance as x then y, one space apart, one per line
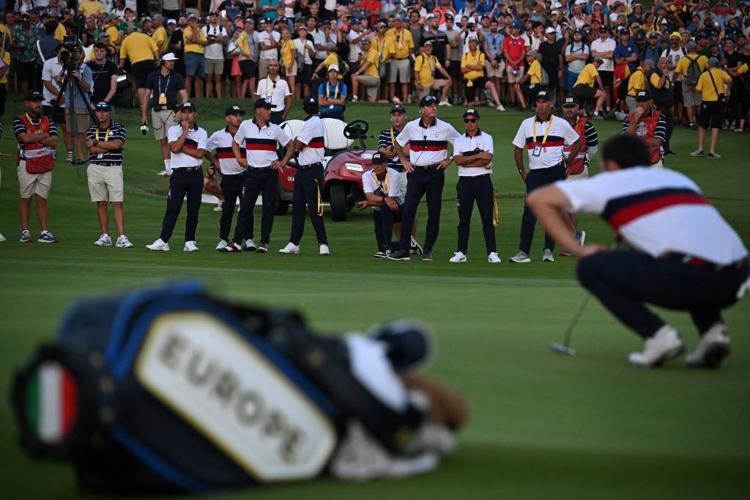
465 52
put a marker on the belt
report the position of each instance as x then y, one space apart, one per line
187 169
699 262
399 58
311 165
106 164
427 167
474 176
161 108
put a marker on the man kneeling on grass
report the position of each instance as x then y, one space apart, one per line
683 255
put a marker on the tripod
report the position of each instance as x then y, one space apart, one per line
70 85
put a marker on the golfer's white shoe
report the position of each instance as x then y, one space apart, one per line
190 246
2 238
324 250
494 258
104 241
289 249
250 245
222 246
712 348
159 246
548 256
458 257
663 346
123 242
521 258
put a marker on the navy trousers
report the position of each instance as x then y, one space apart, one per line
231 189
383 221
469 190
536 179
624 281
308 184
421 182
263 181
182 182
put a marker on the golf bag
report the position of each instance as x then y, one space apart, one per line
172 389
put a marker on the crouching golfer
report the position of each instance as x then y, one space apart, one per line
683 255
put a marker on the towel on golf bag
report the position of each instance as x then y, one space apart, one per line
172 389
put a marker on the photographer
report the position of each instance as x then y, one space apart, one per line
77 101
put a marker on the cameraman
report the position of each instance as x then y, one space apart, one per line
51 80
77 102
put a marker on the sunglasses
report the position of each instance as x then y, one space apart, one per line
470 120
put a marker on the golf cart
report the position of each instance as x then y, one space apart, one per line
342 185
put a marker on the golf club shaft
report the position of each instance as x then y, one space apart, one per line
574 319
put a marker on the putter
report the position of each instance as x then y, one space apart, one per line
565 348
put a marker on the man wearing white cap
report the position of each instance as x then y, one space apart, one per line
167 89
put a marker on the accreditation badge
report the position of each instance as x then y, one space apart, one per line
162 99
537 151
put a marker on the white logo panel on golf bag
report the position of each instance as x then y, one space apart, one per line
219 383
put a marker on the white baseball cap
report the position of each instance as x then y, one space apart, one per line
333 67
549 30
169 56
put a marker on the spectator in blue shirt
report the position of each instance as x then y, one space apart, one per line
484 7
332 95
626 51
270 8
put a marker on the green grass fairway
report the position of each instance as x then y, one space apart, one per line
543 426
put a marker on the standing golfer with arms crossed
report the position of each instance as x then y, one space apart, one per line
683 255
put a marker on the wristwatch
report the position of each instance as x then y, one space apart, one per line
95 142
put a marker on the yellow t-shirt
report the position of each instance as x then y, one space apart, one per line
60 32
637 82
8 35
470 59
372 57
654 79
332 59
398 44
160 37
743 69
684 63
535 73
90 8
6 60
287 51
114 34
244 46
587 76
379 44
706 87
193 47
138 47
425 67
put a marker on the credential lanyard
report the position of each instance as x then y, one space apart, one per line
166 85
546 132
106 135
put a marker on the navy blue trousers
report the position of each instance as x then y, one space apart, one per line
183 182
625 281
469 190
263 181
308 185
383 221
536 179
421 182
231 189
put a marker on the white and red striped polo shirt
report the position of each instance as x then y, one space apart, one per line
220 143
657 211
312 136
195 139
550 137
260 143
427 145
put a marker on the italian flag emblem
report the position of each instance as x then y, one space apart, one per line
51 402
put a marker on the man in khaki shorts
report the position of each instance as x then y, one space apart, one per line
105 142
167 89
36 135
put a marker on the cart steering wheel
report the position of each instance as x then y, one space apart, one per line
356 130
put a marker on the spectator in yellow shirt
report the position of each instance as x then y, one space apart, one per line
114 32
332 59
472 68
159 34
637 83
399 45
584 89
140 49
90 8
531 81
685 71
288 54
60 32
425 66
368 73
195 46
713 85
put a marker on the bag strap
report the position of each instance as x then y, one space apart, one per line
713 82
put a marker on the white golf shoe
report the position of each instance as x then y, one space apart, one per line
190 246
250 245
712 348
159 246
324 250
521 258
458 257
104 241
222 246
123 242
290 249
548 256
663 346
2 238
494 258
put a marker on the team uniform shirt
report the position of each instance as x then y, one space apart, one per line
196 139
636 82
386 138
706 87
221 143
160 38
473 59
657 211
545 141
115 132
19 127
260 143
393 185
684 63
467 146
587 76
273 91
398 44
312 136
373 58
424 67
138 47
427 145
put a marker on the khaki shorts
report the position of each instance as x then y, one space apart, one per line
81 117
491 72
371 85
214 66
293 71
511 78
690 96
161 121
33 184
105 183
400 70
435 85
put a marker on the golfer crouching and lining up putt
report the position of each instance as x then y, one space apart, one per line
682 254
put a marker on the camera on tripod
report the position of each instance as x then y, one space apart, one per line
71 55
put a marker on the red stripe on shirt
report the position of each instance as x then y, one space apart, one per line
548 144
260 147
646 207
419 147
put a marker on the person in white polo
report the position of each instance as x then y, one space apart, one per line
275 90
105 142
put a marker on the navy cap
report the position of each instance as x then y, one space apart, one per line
398 108
543 94
234 110
428 100
378 159
471 111
408 343
33 96
262 103
189 106
570 102
642 95
102 106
